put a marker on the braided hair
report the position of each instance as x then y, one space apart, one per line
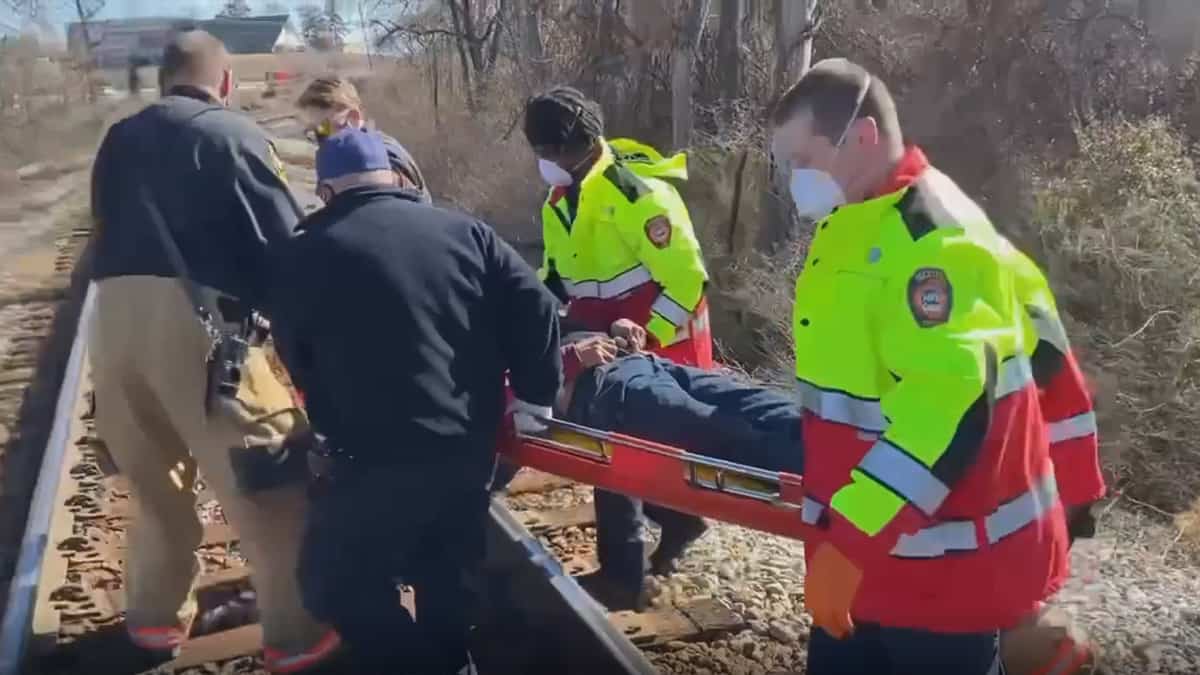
563 118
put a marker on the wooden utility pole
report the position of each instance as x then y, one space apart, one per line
729 53
684 56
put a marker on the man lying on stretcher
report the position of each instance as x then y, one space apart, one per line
609 384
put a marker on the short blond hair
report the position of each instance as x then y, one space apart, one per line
330 92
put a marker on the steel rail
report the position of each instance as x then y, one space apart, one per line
22 595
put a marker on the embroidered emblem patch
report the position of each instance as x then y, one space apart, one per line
930 297
658 231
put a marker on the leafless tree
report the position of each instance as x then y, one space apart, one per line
473 26
682 61
795 23
235 9
729 51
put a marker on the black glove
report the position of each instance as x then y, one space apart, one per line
1081 524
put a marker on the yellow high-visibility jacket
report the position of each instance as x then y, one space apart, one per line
926 452
629 250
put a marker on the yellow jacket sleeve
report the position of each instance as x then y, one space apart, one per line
659 232
945 323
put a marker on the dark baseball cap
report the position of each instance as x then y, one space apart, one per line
351 151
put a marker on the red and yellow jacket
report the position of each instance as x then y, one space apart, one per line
928 452
627 250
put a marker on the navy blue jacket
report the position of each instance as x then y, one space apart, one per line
398 321
215 178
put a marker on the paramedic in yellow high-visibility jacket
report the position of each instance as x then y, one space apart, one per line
618 239
621 253
935 468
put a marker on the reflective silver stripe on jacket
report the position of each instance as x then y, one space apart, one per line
1073 427
905 475
670 310
697 322
841 408
1013 376
951 536
603 290
811 510
867 414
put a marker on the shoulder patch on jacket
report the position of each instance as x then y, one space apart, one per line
627 182
930 297
658 231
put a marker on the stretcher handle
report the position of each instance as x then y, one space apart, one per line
666 451
719 483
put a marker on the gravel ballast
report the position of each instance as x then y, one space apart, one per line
1132 590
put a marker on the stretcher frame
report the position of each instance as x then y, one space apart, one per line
705 486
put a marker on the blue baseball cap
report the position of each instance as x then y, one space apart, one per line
351 151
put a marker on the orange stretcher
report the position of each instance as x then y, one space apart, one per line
703 486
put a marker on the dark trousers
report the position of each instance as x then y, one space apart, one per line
369 527
703 411
899 651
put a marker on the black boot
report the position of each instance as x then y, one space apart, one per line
677 536
614 594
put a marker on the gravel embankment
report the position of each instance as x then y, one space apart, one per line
1132 590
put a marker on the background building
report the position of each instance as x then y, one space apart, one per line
117 42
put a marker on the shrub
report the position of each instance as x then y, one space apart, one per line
1117 228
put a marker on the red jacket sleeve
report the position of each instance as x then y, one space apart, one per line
1071 417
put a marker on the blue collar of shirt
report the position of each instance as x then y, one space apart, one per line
346 200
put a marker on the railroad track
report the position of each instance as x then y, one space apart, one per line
67 602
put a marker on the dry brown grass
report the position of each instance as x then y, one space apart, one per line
477 161
1118 236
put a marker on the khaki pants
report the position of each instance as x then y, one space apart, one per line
148 365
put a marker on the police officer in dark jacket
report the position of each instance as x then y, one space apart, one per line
398 321
213 176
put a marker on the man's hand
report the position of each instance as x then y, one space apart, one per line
633 334
830 586
595 351
527 416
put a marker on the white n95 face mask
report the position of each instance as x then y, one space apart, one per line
815 193
554 174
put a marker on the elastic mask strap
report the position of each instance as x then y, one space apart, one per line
858 101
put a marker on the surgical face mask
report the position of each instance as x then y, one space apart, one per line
815 192
554 174
327 127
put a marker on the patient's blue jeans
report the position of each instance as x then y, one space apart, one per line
705 412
